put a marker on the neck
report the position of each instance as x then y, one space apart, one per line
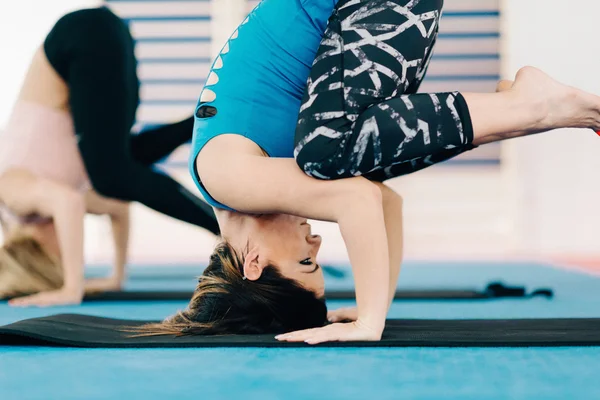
235 227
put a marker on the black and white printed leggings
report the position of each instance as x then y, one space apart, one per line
360 114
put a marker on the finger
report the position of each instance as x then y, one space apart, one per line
23 301
337 314
345 315
332 316
297 336
322 337
338 318
340 310
38 300
317 335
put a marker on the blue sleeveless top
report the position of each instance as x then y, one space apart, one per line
259 79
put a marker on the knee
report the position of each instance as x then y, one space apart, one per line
97 27
319 155
390 198
110 186
367 115
302 158
95 19
302 148
315 161
111 182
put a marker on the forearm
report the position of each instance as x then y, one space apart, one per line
395 235
118 212
363 228
120 224
68 213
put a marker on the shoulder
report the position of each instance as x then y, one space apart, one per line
256 184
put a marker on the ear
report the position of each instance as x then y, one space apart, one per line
253 265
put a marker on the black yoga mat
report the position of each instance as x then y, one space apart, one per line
73 330
494 290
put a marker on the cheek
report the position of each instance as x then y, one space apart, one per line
282 236
320 286
289 270
322 280
317 282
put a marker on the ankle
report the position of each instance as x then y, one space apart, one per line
535 110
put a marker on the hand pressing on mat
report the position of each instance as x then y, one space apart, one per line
348 332
100 285
64 296
346 314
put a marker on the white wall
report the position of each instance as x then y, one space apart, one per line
450 211
542 201
226 16
554 177
23 26
457 211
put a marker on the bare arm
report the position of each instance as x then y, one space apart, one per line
4 227
118 212
392 209
394 224
26 194
256 184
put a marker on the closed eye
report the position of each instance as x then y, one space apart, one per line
306 261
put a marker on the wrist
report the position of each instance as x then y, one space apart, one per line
117 280
118 273
74 288
374 325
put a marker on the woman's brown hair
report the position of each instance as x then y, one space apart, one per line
225 303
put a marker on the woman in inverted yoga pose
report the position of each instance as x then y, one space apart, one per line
68 150
310 106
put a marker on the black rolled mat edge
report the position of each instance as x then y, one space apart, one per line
74 330
494 290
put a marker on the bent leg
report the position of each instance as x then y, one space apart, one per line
153 145
354 121
94 53
360 115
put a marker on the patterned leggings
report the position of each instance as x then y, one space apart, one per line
360 114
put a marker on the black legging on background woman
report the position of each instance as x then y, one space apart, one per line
93 51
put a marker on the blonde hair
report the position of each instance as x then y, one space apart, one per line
26 268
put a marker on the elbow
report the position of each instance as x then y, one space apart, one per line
106 187
120 211
360 193
71 200
368 192
111 177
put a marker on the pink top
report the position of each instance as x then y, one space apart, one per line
42 140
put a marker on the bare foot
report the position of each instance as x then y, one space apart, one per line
559 105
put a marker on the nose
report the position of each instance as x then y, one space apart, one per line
315 241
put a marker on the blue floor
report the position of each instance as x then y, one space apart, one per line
400 373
